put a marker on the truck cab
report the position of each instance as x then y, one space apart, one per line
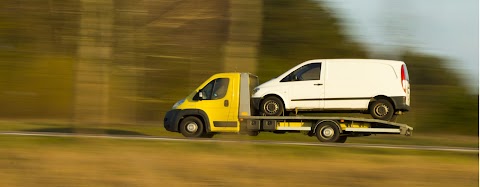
213 105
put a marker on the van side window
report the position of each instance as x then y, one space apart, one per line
304 73
215 89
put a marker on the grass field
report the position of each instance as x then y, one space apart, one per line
69 161
74 161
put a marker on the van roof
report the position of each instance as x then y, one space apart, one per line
391 62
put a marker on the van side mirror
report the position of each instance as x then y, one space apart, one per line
295 78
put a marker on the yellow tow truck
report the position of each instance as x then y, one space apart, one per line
223 104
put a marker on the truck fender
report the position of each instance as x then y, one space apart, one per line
194 112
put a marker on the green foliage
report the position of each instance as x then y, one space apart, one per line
429 70
41 88
440 102
36 63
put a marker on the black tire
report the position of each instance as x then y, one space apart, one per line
192 127
382 109
208 135
272 106
328 132
253 133
394 118
341 139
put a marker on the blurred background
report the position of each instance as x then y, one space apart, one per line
129 61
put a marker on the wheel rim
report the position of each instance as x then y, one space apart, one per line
327 132
381 110
191 127
271 107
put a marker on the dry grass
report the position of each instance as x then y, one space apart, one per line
36 161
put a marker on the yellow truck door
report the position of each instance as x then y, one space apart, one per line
218 100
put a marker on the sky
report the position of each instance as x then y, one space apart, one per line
447 28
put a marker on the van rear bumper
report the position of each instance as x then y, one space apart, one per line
400 103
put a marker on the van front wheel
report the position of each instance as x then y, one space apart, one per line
272 106
382 109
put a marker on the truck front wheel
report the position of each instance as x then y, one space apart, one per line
192 127
328 132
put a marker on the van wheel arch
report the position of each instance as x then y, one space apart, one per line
379 105
378 97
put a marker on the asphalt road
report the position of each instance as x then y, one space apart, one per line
160 138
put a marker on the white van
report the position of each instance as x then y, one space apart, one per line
378 87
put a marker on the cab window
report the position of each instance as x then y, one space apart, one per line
304 73
215 89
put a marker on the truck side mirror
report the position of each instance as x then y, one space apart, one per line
198 96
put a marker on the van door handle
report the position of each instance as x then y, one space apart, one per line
225 103
319 84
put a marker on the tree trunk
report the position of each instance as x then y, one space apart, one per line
91 97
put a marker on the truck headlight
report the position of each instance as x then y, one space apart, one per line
178 103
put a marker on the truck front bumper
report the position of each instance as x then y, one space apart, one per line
171 120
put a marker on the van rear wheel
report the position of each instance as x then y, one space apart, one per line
382 109
272 106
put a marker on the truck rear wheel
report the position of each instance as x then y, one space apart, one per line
328 132
253 133
341 139
382 109
271 106
192 127
208 135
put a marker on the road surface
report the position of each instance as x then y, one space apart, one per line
264 142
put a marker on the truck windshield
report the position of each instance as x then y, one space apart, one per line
215 89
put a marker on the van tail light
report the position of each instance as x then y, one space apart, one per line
404 79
